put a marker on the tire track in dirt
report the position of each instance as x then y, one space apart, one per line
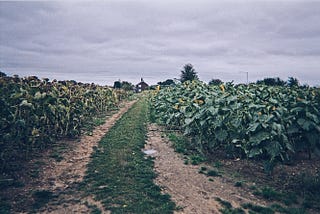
189 189
62 177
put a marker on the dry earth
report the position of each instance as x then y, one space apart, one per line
189 189
62 177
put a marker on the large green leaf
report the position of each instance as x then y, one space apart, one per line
304 124
253 127
254 152
313 117
25 103
221 135
257 138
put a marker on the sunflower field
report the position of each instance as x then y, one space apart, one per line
251 121
34 112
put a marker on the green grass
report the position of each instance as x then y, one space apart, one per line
258 209
227 207
41 198
238 184
273 195
217 164
57 152
225 204
307 186
213 173
120 175
34 173
287 210
4 206
181 144
95 121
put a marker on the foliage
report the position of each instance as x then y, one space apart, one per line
215 82
127 86
255 121
168 82
117 85
307 186
272 82
227 207
182 144
271 194
2 74
293 82
188 73
35 113
258 209
41 198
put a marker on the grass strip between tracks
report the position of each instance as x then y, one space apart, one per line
120 175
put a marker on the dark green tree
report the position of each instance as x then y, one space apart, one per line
2 74
188 73
166 83
292 82
272 81
128 86
117 84
215 82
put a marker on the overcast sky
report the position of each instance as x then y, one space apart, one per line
103 41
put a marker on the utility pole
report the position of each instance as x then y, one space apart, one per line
247 75
247 78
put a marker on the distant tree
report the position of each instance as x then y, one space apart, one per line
188 73
215 82
2 74
292 82
166 83
128 86
272 81
117 84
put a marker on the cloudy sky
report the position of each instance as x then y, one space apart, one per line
103 41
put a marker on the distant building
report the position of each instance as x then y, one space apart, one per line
141 86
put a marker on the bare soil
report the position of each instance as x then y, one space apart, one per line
190 190
63 177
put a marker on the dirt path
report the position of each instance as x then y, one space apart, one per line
189 189
62 177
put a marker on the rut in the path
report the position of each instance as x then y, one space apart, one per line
62 177
189 189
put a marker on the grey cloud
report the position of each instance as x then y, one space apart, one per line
130 39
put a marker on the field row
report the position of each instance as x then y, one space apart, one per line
253 121
36 112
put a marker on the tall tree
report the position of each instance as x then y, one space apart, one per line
188 73
2 74
292 82
166 83
272 81
127 86
215 82
117 84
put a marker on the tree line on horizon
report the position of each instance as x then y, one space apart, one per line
188 73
